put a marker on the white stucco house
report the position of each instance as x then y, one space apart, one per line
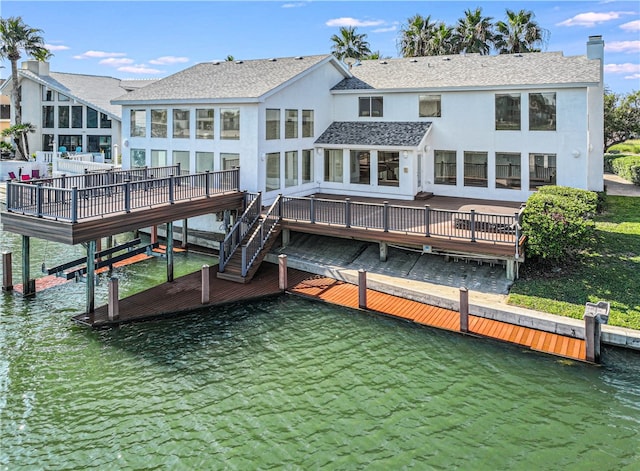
491 127
73 111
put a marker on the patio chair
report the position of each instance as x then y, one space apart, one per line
78 150
12 176
35 173
25 177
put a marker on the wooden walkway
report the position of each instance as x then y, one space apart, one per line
345 294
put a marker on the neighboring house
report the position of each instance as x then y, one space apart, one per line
492 127
5 110
73 111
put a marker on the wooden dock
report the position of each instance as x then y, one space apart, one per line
345 294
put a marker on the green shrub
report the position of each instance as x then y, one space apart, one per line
609 158
627 168
627 147
558 222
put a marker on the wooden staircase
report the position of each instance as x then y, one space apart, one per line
233 269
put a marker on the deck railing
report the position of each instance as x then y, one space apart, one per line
260 236
239 230
98 194
464 225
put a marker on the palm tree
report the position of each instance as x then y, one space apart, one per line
17 37
520 33
442 41
18 133
415 36
474 32
349 44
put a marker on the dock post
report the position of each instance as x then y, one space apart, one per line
384 251
170 251
594 316
7 275
184 234
91 274
28 285
362 288
286 236
114 303
282 272
464 309
154 234
205 284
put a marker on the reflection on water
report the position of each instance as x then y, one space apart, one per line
288 383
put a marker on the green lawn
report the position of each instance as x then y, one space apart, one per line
609 272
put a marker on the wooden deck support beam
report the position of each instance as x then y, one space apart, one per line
169 251
282 272
286 237
91 277
154 234
28 285
114 302
362 289
184 234
204 281
464 309
384 251
7 274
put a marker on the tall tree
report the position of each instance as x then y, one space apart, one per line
349 44
474 32
442 41
16 38
519 33
415 36
18 133
621 117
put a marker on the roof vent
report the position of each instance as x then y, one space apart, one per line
273 59
447 59
517 55
413 60
239 62
299 58
383 62
216 62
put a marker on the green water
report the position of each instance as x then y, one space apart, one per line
292 384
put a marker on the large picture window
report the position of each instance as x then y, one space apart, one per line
138 123
158 158
105 122
76 116
542 170
230 124
429 106
70 142
508 170
204 161
307 123
92 118
370 106
475 169
508 112
273 172
291 124
542 111
47 117
182 158
291 168
100 144
138 158
273 124
181 125
159 123
307 165
333 165
445 168
204 123
360 167
389 168
47 94
63 116
229 161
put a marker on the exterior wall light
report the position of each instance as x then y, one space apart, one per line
576 153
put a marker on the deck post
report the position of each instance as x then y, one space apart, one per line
516 220
7 274
286 236
385 220
226 219
91 264
594 316
347 213
427 220
28 285
169 251
184 233
384 251
511 269
205 284
154 234
74 204
282 272
464 309
172 180
312 210
39 192
114 303
127 196
207 184
472 224
362 288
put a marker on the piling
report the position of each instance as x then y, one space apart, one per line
7 275
205 284
114 303
362 289
464 309
282 272
594 316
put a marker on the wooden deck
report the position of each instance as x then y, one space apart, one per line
345 294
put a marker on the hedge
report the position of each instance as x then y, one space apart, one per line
627 167
558 222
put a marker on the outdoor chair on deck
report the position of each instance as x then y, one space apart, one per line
25 177
12 176
35 173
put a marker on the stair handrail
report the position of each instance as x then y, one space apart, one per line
239 230
261 235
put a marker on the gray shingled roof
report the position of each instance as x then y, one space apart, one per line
377 133
472 71
226 80
96 91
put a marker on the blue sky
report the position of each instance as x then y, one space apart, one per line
150 39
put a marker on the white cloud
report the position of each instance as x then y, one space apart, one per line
139 69
385 30
631 26
592 18
99 55
54 47
294 5
116 62
633 77
168 60
623 46
626 68
346 21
